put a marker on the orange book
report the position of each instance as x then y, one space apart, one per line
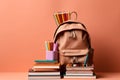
44 69
48 65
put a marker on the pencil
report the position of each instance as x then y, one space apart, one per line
86 59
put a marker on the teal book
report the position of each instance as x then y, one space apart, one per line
46 61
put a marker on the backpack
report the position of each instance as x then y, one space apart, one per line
74 44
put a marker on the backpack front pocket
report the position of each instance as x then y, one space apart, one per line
73 56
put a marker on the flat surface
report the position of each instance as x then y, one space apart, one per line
23 76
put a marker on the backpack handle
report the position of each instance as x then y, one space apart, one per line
71 13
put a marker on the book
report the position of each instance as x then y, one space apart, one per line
44 69
47 65
78 76
79 72
43 73
44 77
45 61
31 72
80 68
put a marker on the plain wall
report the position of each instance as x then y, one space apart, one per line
26 24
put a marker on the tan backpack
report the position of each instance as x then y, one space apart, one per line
73 44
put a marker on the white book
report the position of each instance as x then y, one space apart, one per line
43 73
44 78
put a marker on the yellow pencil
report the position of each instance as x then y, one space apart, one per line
48 44
55 17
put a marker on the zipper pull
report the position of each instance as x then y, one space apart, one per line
73 34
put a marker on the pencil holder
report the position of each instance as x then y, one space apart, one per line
51 55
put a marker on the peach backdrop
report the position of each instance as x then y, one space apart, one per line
26 24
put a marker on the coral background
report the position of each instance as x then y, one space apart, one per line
26 24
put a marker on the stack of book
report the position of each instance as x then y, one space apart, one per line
79 72
44 69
